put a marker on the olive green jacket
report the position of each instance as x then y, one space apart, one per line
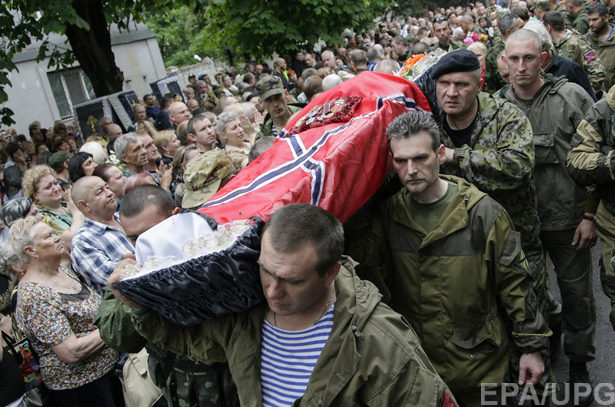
591 161
606 52
576 48
459 285
372 357
555 112
500 161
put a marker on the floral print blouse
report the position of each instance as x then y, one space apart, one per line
48 317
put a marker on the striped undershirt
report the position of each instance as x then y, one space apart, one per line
288 359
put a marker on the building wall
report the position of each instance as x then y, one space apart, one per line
136 53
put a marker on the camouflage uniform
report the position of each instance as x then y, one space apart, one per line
590 162
500 162
606 52
579 21
492 74
554 113
267 125
575 47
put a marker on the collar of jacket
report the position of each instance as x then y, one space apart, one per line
551 86
337 364
454 218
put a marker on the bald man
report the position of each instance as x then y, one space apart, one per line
178 112
101 242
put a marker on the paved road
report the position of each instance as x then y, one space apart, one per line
602 370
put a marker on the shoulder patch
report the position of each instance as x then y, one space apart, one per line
447 401
590 55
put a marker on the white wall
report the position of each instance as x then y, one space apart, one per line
136 53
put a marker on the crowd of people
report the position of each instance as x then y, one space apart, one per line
513 168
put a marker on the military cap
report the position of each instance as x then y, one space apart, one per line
203 176
460 60
191 76
219 91
269 86
57 160
541 4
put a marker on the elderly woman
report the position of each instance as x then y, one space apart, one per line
237 146
98 152
40 183
18 209
56 312
167 144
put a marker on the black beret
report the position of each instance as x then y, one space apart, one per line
460 60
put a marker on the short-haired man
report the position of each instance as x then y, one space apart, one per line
571 45
508 25
273 95
358 60
182 381
111 132
178 112
442 30
311 291
201 133
388 65
555 108
309 60
400 47
373 56
430 235
129 148
152 155
279 68
577 18
139 112
151 106
100 243
589 163
206 96
328 60
503 69
601 37
59 163
558 65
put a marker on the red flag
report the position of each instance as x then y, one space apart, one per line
332 154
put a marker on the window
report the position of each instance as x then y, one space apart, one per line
70 87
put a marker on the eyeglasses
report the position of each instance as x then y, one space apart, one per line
440 20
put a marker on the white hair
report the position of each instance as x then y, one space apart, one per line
331 81
99 155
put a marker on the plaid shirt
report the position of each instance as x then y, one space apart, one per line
97 248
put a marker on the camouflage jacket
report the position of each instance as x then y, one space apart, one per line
592 158
492 74
554 113
500 161
575 47
606 52
267 125
579 22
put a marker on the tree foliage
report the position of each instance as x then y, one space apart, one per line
180 35
260 28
